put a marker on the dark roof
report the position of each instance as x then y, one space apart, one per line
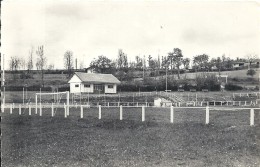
97 78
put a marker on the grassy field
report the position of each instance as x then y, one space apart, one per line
57 141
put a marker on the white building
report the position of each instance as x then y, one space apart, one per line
93 83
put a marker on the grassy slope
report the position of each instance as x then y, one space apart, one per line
46 141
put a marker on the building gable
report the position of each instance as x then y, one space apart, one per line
75 79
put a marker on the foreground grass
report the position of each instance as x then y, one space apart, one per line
47 141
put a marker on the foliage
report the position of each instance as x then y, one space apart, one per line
41 61
232 87
175 58
103 65
251 72
201 61
68 62
30 60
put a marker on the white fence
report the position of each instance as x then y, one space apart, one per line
82 107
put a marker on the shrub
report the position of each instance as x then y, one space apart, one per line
233 87
251 72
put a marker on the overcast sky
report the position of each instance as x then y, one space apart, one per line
90 29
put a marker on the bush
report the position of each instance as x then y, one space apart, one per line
26 76
251 72
233 87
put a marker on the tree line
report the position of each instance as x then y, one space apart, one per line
173 63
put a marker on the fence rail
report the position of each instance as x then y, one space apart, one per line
121 108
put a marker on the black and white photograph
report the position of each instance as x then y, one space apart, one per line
120 83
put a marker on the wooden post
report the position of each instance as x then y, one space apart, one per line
40 109
30 110
52 110
207 115
36 104
65 112
252 116
81 111
11 109
121 112
20 109
239 104
207 103
108 104
179 103
143 114
245 103
172 114
233 103
214 103
99 112
68 103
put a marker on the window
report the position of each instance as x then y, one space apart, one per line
77 85
98 87
86 85
110 86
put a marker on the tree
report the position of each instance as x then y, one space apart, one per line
201 61
186 63
68 62
139 62
103 64
14 65
51 67
30 60
176 57
122 62
41 61
251 72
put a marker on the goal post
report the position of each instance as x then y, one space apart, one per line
51 94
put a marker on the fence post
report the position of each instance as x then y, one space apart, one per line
239 103
214 103
172 114
11 109
121 112
99 112
143 114
40 109
207 114
36 104
81 111
30 110
52 111
20 110
65 112
245 103
221 103
252 116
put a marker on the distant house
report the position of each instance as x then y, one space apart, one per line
93 83
238 64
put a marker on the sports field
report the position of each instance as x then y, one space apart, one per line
35 140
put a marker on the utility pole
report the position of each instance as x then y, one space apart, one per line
76 62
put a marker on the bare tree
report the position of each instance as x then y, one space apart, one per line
51 67
30 60
68 61
41 61
14 65
23 63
